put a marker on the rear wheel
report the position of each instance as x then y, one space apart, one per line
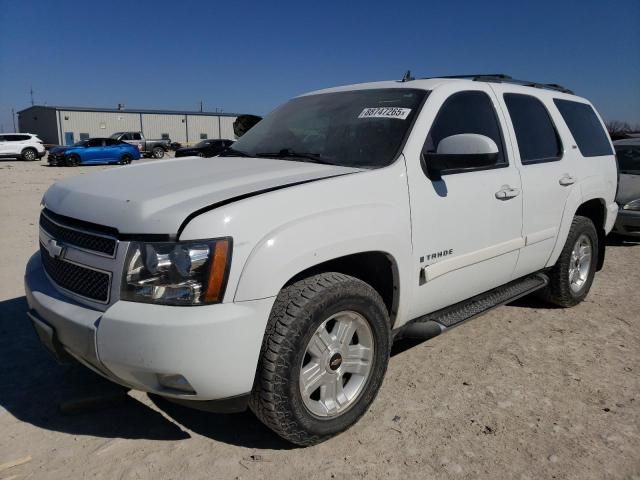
323 358
72 161
573 273
126 159
29 154
157 152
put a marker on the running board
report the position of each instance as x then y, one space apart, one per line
432 324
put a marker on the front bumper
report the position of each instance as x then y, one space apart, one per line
215 347
628 223
55 159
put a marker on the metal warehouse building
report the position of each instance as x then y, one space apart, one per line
67 125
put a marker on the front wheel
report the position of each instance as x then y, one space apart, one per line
157 152
323 358
29 154
126 159
572 275
72 161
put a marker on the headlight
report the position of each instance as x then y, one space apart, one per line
634 205
176 273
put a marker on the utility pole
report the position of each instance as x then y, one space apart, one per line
201 110
31 92
13 116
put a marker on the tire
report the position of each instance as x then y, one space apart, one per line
562 290
157 152
126 159
29 154
72 161
200 154
316 304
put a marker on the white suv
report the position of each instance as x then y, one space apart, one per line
21 145
278 274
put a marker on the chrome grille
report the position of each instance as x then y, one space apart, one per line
87 282
100 244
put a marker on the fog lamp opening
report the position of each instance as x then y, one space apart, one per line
175 382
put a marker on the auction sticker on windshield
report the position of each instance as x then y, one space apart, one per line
385 112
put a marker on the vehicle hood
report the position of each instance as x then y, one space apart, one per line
61 149
628 188
156 197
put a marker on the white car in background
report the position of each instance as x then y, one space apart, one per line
26 146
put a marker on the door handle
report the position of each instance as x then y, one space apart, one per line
507 192
567 180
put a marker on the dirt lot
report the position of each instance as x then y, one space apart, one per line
525 392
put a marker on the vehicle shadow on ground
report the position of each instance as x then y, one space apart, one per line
241 429
620 241
33 386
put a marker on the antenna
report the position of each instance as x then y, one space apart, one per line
407 77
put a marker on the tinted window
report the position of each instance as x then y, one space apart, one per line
358 128
84 136
135 136
628 158
537 137
164 136
466 112
109 142
95 142
585 127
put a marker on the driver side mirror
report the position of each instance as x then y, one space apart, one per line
460 153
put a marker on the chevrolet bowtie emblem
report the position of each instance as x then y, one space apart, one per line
55 250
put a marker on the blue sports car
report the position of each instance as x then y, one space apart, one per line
94 151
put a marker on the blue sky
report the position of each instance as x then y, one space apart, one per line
250 56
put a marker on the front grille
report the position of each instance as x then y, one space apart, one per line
71 236
86 282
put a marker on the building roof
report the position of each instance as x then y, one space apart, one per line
130 110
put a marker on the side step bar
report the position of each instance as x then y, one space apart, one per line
432 324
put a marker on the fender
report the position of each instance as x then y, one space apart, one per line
303 243
575 199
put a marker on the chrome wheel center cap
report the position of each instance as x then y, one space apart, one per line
335 361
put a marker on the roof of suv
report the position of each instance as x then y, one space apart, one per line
533 88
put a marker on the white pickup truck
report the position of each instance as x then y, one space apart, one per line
277 275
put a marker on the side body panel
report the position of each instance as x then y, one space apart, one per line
475 236
279 234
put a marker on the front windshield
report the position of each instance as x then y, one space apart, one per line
628 159
81 143
361 128
201 144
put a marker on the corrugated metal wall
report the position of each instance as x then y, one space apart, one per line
41 121
97 124
55 126
156 124
202 124
226 127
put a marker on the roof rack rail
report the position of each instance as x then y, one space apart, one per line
503 78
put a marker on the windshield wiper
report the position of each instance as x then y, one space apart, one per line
288 153
232 152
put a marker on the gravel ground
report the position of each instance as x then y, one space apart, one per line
524 392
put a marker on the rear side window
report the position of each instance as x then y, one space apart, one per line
585 127
537 137
136 136
466 112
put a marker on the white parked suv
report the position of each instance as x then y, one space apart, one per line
26 146
277 275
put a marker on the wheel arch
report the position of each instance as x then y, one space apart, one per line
376 268
593 208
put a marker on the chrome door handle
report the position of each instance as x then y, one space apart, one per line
567 180
507 192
